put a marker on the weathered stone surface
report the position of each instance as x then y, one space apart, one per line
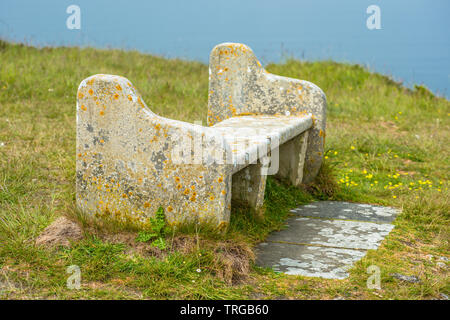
239 85
347 211
131 161
317 243
333 233
402 277
310 261
60 233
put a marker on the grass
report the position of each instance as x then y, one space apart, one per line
385 144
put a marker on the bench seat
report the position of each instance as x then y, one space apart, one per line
245 135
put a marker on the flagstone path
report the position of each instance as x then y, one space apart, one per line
325 238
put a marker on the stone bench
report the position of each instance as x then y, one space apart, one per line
131 161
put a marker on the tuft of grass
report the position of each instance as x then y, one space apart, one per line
386 144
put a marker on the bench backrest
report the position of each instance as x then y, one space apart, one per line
239 85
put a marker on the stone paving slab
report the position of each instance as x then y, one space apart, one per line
329 263
324 238
347 211
333 233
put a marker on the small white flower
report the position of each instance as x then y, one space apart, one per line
199 270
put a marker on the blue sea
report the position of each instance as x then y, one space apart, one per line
412 43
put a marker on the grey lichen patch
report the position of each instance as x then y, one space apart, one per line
347 211
310 261
315 245
333 233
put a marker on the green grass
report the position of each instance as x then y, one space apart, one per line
385 144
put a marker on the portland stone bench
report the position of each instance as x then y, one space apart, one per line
131 161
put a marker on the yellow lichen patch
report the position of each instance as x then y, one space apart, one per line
211 198
130 98
80 95
223 192
140 102
169 209
220 179
193 187
118 87
83 107
146 204
102 112
102 141
321 133
179 186
91 92
116 96
186 191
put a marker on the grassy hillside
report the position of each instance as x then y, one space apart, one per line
385 144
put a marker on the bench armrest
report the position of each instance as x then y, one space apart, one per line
129 161
239 85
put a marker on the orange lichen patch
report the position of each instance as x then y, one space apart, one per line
157 126
90 82
201 177
91 92
129 97
83 107
186 191
140 102
321 133
211 198
118 87
140 180
102 112
116 96
177 179
192 198
79 155
146 204
80 95
169 209
102 141
179 186
124 195
220 179
193 187
223 192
